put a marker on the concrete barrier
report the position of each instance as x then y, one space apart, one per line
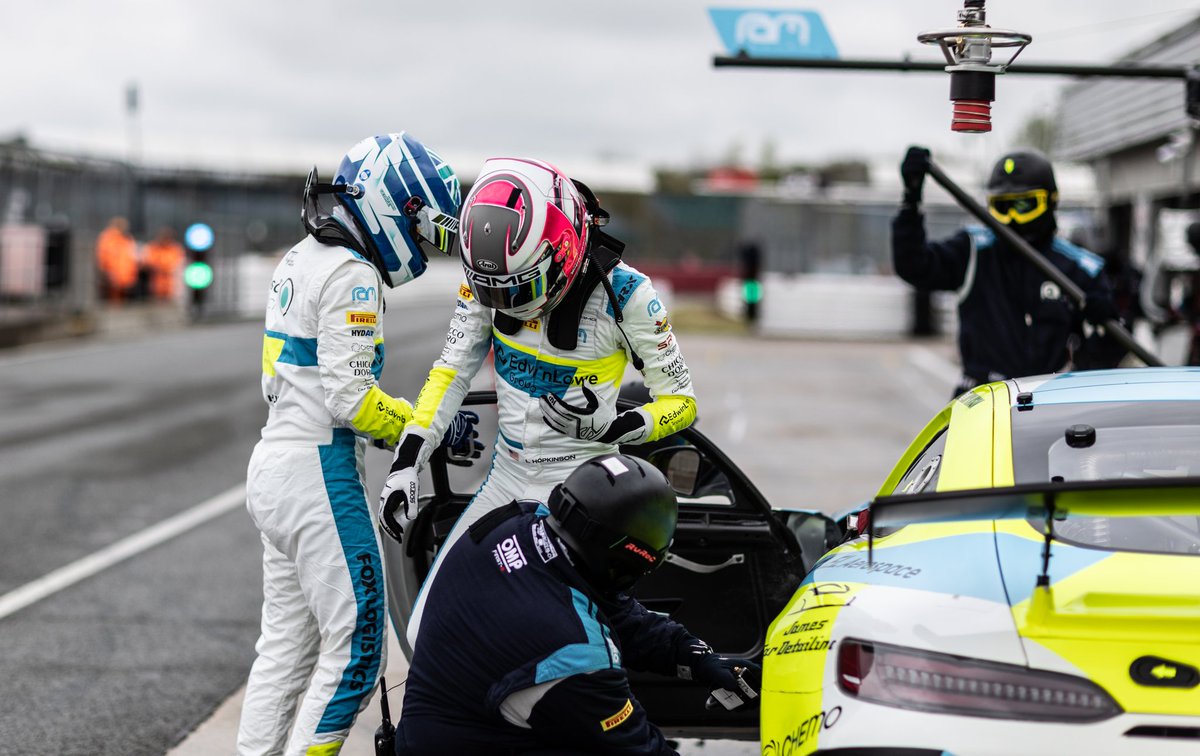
835 306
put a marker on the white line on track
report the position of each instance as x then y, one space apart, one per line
934 365
68 575
930 378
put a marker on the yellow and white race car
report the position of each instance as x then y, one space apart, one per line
1028 583
945 628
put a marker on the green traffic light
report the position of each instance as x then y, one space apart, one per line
198 275
752 291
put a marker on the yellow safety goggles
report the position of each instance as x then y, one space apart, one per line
1021 207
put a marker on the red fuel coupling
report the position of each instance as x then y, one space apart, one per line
972 92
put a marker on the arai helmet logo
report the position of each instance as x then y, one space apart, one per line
487 265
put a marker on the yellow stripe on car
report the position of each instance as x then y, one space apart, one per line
967 462
1002 456
795 655
1123 608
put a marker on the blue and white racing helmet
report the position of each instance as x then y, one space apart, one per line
404 198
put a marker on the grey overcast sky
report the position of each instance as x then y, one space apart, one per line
270 84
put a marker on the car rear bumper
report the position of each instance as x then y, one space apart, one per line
848 727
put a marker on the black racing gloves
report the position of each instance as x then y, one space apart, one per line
461 439
912 172
1098 310
731 682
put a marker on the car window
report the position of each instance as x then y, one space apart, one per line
1141 451
923 474
1158 535
1113 441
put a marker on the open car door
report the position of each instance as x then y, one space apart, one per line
732 567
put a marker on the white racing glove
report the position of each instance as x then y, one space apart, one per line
594 422
398 501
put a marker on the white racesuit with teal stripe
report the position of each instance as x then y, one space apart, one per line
531 457
324 607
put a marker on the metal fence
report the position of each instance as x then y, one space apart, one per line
71 198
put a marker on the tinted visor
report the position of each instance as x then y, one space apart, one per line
516 291
1021 207
631 559
434 232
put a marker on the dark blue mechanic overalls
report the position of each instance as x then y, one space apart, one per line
517 655
1012 320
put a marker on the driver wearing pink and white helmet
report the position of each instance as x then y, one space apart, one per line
547 292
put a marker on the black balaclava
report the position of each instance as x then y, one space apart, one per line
1023 171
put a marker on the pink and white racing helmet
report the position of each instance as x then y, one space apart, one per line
523 234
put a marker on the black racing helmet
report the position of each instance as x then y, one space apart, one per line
1020 171
1022 192
617 516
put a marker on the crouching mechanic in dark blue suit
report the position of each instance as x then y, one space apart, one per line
528 626
1013 321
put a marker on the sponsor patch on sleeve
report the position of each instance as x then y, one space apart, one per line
464 292
361 318
619 717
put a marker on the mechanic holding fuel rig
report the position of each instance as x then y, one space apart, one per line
529 626
1012 321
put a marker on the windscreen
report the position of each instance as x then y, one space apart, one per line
1132 440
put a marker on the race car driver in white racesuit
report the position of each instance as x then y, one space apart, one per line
324 608
538 271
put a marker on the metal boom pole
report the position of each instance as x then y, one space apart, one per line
1112 327
905 65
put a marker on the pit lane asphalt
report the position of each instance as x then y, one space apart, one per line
101 440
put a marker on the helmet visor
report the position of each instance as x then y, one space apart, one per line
631 559
1021 207
434 232
521 291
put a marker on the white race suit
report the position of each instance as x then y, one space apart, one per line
324 605
530 457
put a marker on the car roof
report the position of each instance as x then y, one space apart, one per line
1118 385
981 453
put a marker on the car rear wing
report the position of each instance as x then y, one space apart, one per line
1046 502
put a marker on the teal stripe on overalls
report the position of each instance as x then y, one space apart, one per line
296 350
579 658
352 517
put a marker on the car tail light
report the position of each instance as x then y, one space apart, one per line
912 679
